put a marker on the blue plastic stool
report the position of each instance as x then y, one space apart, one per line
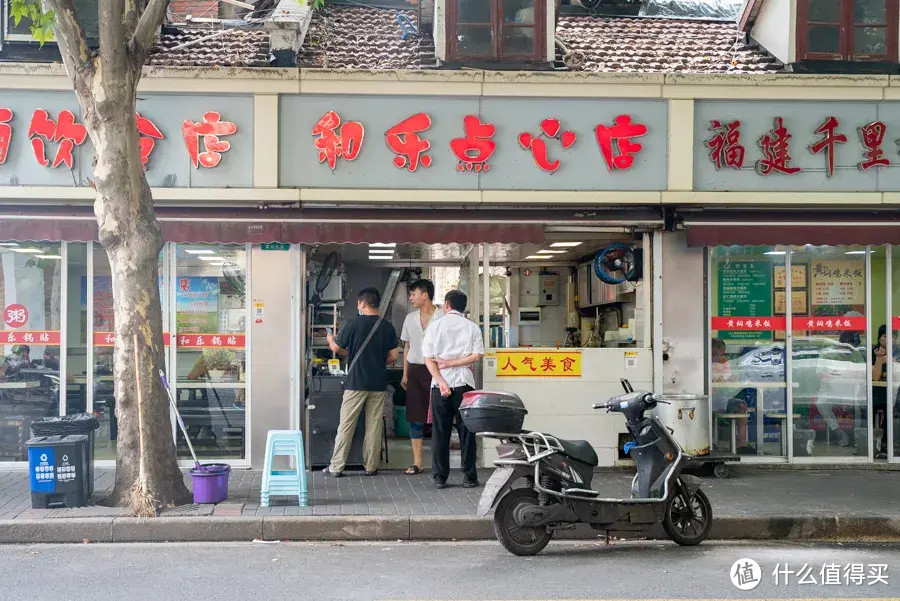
288 443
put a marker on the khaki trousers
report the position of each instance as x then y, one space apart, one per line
351 406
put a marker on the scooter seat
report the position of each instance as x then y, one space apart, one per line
580 450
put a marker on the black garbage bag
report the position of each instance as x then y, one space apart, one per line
79 423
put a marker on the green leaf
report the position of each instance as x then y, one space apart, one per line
17 10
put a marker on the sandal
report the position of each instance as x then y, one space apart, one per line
412 470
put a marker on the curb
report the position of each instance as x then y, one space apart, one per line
404 528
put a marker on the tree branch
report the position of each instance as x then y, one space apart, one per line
145 33
69 36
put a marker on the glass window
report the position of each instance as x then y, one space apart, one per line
869 12
747 349
885 345
76 328
830 353
518 12
828 11
518 41
103 335
31 291
825 39
474 11
870 41
211 328
474 40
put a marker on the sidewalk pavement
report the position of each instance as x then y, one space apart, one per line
755 503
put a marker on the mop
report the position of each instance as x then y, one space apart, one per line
142 502
187 438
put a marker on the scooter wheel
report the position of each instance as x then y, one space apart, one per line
518 540
685 525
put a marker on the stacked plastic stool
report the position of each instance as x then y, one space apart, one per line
292 482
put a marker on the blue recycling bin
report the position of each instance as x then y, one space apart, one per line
58 471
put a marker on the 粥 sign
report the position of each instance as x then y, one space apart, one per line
15 315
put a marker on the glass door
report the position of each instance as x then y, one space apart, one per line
891 418
211 340
747 341
829 367
33 299
101 332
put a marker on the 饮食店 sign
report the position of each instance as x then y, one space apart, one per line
187 140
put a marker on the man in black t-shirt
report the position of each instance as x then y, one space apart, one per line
366 382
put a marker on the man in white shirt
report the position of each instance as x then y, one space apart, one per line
451 346
416 377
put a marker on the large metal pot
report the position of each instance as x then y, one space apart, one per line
688 416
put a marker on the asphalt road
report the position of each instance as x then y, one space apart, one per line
436 571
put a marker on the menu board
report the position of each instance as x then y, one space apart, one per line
798 276
838 283
745 290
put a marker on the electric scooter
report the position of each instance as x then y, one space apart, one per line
542 482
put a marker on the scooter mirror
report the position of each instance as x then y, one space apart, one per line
626 385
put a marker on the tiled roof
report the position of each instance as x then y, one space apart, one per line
607 44
346 36
364 37
184 47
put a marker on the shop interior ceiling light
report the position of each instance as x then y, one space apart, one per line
31 251
534 257
210 258
10 244
566 244
58 257
380 257
382 245
857 252
550 252
775 252
381 251
194 251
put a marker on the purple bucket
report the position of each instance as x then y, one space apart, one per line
210 482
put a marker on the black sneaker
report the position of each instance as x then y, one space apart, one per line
327 471
440 484
471 483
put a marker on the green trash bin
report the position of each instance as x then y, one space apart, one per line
401 426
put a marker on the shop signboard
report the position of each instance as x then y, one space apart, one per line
472 143
800 146
186 140
196 305
745 290
527 363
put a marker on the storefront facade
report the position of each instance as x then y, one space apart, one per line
319 157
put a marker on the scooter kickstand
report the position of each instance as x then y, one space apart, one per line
608 543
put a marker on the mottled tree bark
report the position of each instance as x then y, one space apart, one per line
105 84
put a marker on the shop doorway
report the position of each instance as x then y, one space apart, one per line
522 296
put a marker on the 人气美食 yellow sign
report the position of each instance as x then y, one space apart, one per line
538 363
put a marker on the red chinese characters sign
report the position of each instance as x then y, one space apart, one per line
798 322
332 142
233 341
520 363
36 337
550 129
403 139
210 130
54 140
776 146
109 338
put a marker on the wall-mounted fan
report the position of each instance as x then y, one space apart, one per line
326 272
619 263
